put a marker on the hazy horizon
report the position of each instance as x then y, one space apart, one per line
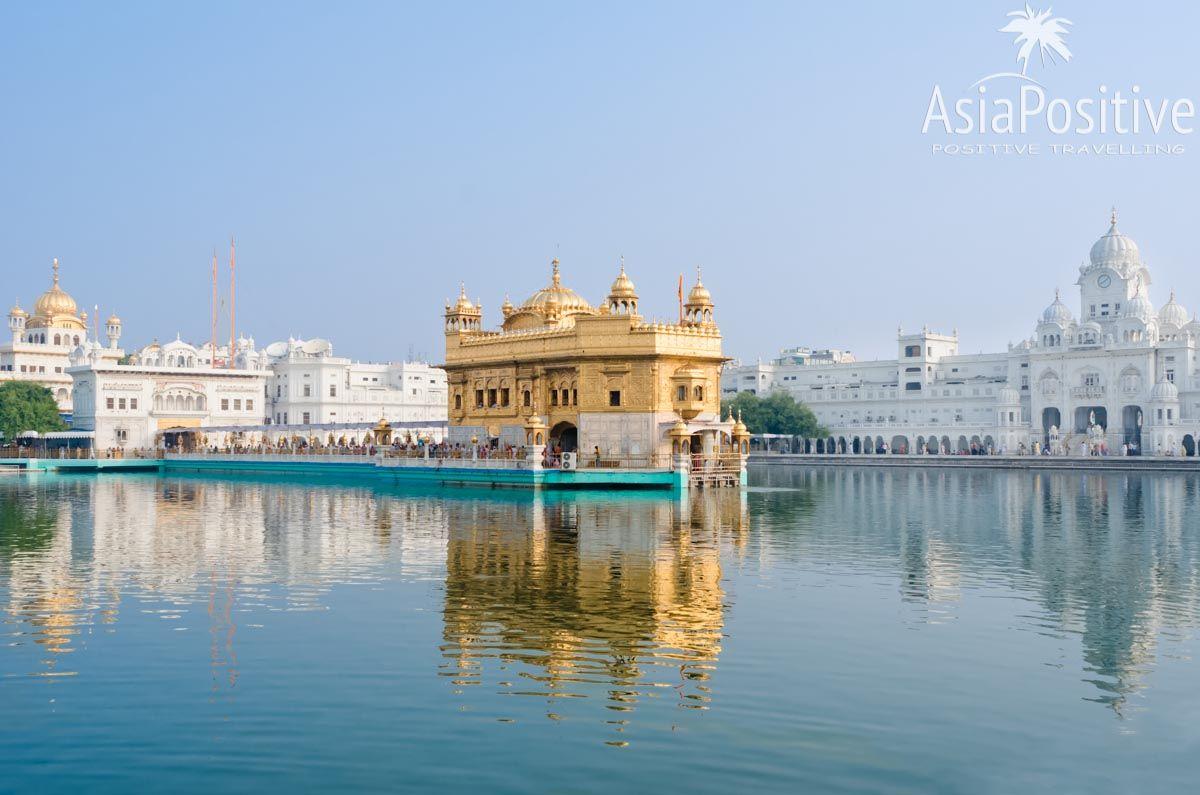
369 161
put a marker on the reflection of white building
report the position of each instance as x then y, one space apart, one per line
41 344
1122 373
309 385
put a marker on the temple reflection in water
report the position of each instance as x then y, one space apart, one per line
626 601
566 598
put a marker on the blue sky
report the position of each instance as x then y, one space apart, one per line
369 156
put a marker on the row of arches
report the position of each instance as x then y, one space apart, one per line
179 402
899 445
41 338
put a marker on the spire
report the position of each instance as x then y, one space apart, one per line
54 267
1114 215
622 263
555 279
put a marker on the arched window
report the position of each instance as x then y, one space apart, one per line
76 340
526 398
698 392
200 403
58 339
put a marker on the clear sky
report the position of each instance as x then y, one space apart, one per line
369 156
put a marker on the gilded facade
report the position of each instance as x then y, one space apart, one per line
596 378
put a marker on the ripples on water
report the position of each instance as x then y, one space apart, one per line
840 629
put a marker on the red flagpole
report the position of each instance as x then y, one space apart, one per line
232 301
681 299
213 353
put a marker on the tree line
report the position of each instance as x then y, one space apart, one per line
775 412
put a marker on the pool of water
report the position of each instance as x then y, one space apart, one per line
830 630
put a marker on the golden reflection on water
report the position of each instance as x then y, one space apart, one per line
574 598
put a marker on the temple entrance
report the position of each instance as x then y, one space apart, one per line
1051 418
565 436
1086 415
1189 445
1131 428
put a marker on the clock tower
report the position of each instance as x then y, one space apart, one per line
1113 275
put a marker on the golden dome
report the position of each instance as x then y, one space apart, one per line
55 301
563 300
507 307
17 311
623 286
113 320
463 305
739 427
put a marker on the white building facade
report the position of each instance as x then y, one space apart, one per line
1120 378
134 406
40 346
287 388
310 386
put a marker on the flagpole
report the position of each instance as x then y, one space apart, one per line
681 299
213 353
232 301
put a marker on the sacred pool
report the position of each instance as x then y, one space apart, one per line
828 629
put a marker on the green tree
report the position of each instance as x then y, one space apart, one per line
775 412
27 407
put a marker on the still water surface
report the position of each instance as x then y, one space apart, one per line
832 630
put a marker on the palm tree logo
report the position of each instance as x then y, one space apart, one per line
1037 29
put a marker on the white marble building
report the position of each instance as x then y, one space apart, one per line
176 385
130 406
1122 375
309 385
41 343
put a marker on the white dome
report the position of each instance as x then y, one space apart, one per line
1058 313
1164 390
1114 248
1009 396
1140 307
1173 314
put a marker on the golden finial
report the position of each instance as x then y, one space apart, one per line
462 289
554 277
698 281
622 263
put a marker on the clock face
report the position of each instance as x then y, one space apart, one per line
1104 281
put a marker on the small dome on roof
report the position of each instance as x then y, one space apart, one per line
1140 307
1173 313
1058 312
1164 390
1009 396
622 286
699 293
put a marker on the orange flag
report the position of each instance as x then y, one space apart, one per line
681 298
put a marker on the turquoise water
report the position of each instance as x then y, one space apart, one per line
832 630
